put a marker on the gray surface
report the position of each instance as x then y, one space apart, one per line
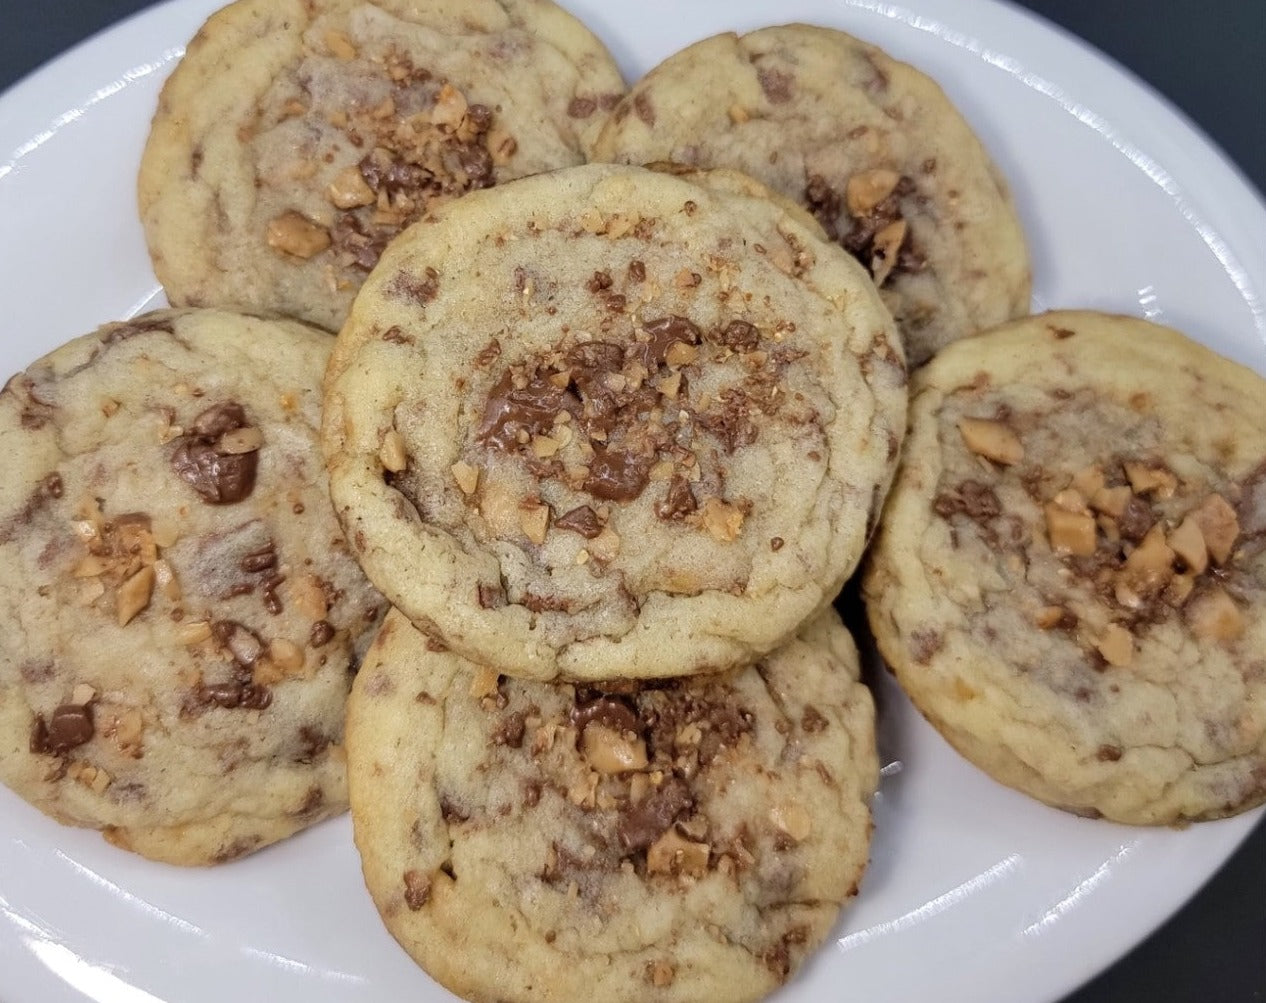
1207 58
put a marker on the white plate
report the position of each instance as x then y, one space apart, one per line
974 893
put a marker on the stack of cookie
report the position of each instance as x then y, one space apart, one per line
611 470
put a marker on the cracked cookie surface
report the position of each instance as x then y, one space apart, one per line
181 611
607 423
1070 573
296 139
687 839
869 144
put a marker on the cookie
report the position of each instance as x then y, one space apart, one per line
296 139
1070 576
689 839
607 423
869 144
181 612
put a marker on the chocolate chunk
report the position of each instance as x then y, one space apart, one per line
312 742
664 332
731 421
479 116
812 721
644 109
360 247
824 202
859 240
510 409
608 711
510 729
582 520
69 727
260 560
218 478
679 500
1135 519
738 336
476 164
598 282
971 498
637 271
417 890
320 633
776 84
615 475
221 694
644 823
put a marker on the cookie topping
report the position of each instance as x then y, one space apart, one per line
644 823
68 727
219 457
868 221
425 143
993 440
582 520
608 418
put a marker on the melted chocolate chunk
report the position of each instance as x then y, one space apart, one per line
69 727
615 475
664 333
679 500
644 823
219 478
582 520
512 409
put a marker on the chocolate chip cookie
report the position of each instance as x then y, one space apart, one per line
296 139
1070 576
869 144
684 839
181 614
606 423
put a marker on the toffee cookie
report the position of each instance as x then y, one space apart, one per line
607 423
181 612
687 839
1070 576
870 145
297 137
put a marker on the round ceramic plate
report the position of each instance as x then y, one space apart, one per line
999 899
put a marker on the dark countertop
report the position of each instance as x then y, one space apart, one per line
1204 55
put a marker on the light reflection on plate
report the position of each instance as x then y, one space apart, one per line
974 892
